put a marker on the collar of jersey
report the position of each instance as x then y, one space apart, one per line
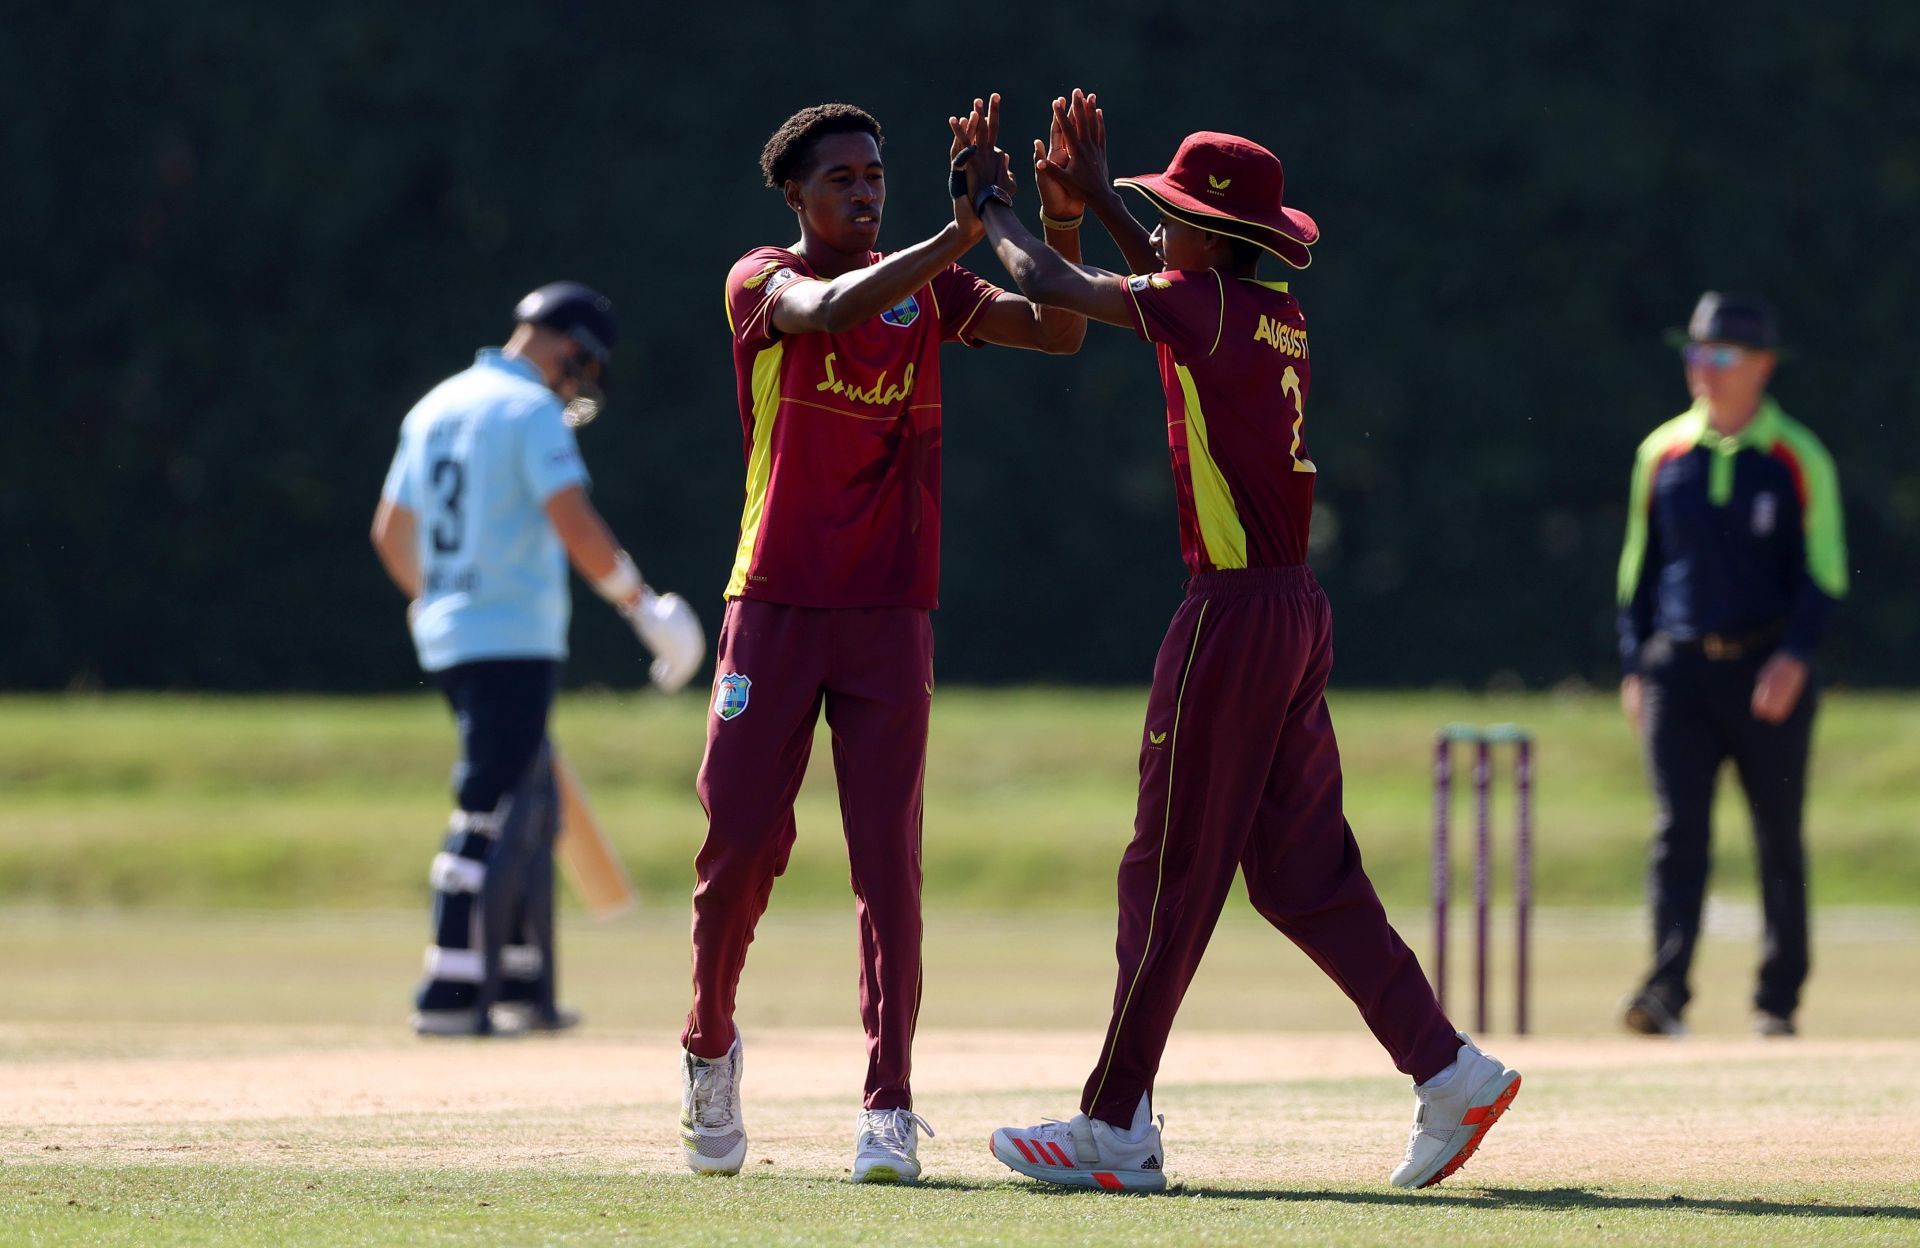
1760 433
493 357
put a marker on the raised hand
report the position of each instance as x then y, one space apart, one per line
992 164
977 134
986 121
979 128
1080 138
1083 130
971 228
1059 201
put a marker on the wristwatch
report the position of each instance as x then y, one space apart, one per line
990 192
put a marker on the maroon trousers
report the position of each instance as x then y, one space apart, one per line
872 668
1239 772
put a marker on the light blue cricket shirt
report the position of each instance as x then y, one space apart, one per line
479 457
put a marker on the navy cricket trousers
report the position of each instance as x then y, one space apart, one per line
1697 715
493 878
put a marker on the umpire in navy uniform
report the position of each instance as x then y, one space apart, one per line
1734 559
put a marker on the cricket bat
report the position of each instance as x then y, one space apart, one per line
586 856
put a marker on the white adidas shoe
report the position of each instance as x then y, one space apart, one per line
886 1146
1453 1112
1085 1152
713 1133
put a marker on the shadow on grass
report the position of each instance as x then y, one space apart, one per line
1549 1200
1522 1199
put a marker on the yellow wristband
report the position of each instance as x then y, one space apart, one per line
1052 224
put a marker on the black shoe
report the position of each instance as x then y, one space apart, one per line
1770 1026
1645 1014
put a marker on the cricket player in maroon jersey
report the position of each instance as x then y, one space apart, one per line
1239 770
837 353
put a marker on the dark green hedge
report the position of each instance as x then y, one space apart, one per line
243 240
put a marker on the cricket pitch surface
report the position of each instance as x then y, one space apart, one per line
1241 1107
186 1080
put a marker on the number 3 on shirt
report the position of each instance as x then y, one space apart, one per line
1290 386
450 477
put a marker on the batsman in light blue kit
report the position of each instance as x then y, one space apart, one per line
483 507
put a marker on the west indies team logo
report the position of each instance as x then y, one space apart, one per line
730 695
902 314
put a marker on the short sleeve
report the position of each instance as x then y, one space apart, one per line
1184 312
959 297
754 284
398 487
549 455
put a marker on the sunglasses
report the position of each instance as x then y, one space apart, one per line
1712 355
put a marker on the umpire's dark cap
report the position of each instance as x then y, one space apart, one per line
1739 320
580 312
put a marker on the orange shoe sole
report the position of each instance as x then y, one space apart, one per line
1489 1115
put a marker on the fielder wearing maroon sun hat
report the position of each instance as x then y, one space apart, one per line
1237 713
1232 186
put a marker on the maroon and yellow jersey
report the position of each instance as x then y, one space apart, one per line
1233 361
842 436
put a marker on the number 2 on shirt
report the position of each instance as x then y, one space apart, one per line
1290 386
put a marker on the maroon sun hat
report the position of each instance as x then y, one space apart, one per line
1232 186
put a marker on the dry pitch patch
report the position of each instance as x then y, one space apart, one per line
1293 1109
194 1079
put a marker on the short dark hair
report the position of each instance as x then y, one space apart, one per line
786 153
1246 254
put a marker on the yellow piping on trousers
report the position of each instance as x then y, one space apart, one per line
1160 867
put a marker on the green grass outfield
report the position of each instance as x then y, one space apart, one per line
212 912
296 802
171 1205
236 1079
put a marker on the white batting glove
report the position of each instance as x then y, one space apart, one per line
671 632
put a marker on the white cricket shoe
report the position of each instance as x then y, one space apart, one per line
713 1134
466 1022
1084 1152
886 1146
1453 1112
523 1016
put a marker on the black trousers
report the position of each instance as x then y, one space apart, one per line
1697 717
493 878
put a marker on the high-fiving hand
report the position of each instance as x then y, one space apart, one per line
1069 166
1071 169
976 137
963 214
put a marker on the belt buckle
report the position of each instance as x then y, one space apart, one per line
1721 649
